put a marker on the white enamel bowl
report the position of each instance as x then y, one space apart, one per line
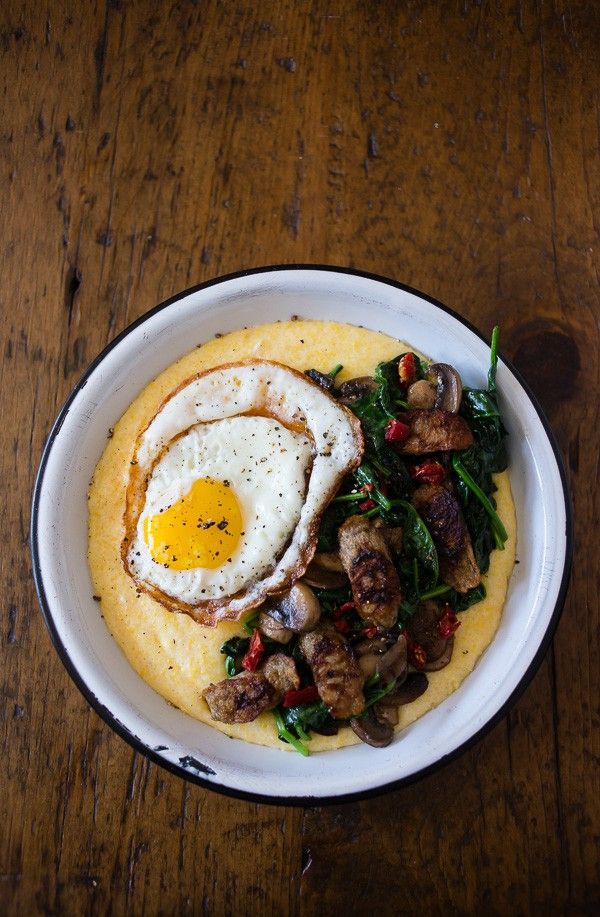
98 666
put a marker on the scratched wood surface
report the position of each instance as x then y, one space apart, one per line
146 146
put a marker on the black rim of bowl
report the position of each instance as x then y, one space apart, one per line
184 771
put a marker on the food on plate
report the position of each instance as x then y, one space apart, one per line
288 553
227 486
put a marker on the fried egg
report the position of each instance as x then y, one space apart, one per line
228 484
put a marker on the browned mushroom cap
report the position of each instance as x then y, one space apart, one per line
353 389
273 629
441 661
448 387
322 578
372 730
412 687
388 713
298 609
421 394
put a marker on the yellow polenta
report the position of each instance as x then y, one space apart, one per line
180 658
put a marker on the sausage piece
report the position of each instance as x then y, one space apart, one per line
281 671
242 698
463 573
367 561
336 672
439 508
435 431
442 514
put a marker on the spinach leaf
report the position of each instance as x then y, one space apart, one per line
498 530
231 666
308 716
378 453
235 646
386 375
333 598
475 466
365 475
233 650
460 602
392 394
418 545
286 735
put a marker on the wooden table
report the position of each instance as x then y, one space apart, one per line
148 146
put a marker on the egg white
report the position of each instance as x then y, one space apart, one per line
265 464
258 388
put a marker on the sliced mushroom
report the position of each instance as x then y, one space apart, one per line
368 652
368 664
441 661
273 629
353 389
376 656
372 730
448 387
393 665
320 578
421 394
387 712
298 609
328 560
328 728
414 685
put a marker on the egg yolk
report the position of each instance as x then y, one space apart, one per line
202 529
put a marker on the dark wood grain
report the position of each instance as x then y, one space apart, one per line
148 146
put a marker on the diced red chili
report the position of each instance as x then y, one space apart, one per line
428 472
407 369
255 653
342 609
366 489
368 632
416 653
448 623
396 431
367 504
342 625
304 696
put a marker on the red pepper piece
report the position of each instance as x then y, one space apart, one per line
342 625
396 431
366 504
368 632
256 651
342 609
366 489
416 653
448 623
407 369
304 696
428 472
